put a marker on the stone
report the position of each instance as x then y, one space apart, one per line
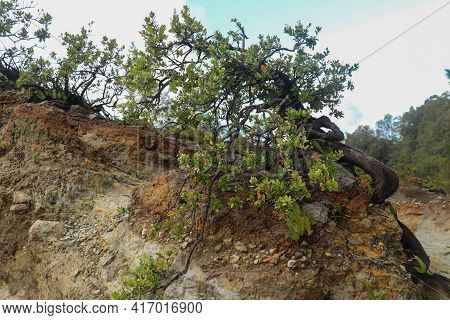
317 210
272 259
228 242
272 251
291 264
256 261
18 207
218 248
239 246
46 231
234 259
21 197
78 110
345 178
107 260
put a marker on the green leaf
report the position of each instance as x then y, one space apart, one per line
422 267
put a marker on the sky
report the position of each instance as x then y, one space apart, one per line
401 75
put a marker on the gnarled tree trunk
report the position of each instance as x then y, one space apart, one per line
385 181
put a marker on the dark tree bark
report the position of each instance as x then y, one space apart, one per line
385 181
10 74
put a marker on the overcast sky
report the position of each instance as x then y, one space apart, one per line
401 75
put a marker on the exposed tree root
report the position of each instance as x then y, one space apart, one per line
200 237
385 181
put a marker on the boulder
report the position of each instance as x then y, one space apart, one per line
345 178
18 207
46 231
21 197
317 210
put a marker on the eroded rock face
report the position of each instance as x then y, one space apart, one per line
98 186
426 214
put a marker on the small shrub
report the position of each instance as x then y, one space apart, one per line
121 211
3 148
35 159
374 294
145 280
154 228
336 208
326 290
362 174
431 185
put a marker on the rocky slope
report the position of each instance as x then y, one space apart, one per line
80 198
427 214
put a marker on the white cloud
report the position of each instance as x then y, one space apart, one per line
116 19
404 73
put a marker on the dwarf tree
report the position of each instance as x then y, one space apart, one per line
251 105
87 74
17 40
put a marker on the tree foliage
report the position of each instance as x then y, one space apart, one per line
216 77
251 104
17 41
89 75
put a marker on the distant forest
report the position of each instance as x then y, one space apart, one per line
414 144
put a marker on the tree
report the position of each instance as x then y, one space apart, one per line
17 42
87 75
415 143
424 148
260 96
387 127
230 90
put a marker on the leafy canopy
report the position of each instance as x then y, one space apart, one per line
88 74
250 103
219 79
17 41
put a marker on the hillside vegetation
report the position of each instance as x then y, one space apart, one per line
416 143
224 155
